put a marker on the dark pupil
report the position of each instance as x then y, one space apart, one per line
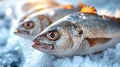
28 24
52 35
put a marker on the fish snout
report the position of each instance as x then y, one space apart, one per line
16 31
37 40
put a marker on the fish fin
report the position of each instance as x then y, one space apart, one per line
68 6
97 41
113 18
87 9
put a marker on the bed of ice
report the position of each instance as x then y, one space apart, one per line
17 52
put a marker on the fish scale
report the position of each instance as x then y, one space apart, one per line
94 23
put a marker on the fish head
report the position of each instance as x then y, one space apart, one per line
31 26
57 39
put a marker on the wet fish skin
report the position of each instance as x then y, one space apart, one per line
73 31
42 19
93 26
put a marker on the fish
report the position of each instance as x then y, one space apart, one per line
33 23
37 4
80 33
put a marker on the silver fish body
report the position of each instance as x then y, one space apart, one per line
78 34
93 26
40 20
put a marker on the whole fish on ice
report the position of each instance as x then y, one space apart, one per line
33 23
79 33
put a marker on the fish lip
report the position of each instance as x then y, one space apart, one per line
43 45
21 32
36 42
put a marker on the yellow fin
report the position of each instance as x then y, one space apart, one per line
87 9
68 6
97 41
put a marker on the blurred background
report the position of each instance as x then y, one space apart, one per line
17 52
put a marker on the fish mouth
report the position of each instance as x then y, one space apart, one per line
42 45
21 32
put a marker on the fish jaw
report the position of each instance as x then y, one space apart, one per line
24 33
21 32
40 45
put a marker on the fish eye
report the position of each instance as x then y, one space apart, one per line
53 35
28 25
